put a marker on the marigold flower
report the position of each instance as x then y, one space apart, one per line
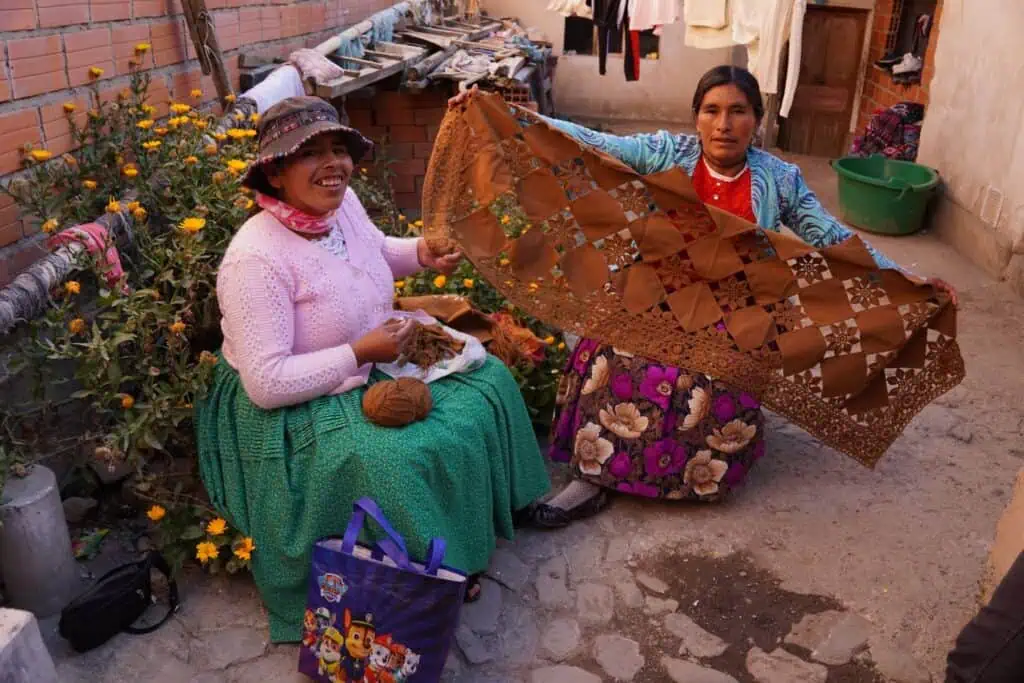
255 118
549 339
190 160
236 133
179 108
207 358
206 551
220 137
113 206
418 223
130 171
178 327
145 124
77 326
139 213
156 513
506 219
201 124
244 548
239 116
237 165
89 184
219 177
49 226
440 281
160 131
250 133
216 527
40 154
148 110
401 217
399 284
249 204
468 283
127 402
533 287
230 98
70 160
142 48
561 346
151 145
196 93
193 224
73 287
95 71
70 107
132 206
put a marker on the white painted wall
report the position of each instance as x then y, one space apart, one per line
663 93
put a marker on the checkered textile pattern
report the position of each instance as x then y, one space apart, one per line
826 338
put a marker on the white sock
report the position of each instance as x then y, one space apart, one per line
574 495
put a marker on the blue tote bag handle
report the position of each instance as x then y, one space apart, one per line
435 556
360 509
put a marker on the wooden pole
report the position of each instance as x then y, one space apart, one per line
204 38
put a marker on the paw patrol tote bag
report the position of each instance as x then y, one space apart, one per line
375 616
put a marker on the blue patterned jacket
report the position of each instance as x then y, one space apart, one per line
780 195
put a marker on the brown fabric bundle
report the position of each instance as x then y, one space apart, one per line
396 403
848 351
428 345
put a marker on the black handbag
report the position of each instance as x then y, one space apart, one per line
114 603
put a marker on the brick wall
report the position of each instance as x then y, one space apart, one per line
48 46
879 89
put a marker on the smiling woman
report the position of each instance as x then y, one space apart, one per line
306 294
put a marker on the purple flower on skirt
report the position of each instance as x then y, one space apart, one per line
664 457
638 488
584 354
749 402
736 474
658 384
759 450
622 387
559 454
620 466
724 408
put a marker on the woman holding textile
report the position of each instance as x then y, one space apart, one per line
634 426
306 293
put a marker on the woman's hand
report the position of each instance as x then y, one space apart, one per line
944 286
445 264
462 98
384 344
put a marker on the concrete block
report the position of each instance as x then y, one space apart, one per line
36 562
23 655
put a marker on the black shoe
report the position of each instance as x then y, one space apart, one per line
550 517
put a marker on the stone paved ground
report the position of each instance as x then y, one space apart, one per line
814 571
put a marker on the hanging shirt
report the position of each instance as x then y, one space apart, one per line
652 14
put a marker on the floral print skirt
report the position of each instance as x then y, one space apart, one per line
639 427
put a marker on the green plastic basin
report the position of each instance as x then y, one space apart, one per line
884 196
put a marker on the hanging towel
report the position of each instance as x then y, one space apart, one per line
281 84
706 13
796 46
652 14
571 8
765 61
313 65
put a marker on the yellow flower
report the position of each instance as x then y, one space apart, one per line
148 110
70 107
89 184
142 48
243 550
236 133
156 513
220 137
418 223
468 283
399 284
70 160
77 326
561 346
178 327
237 165
134 206
230 98
72 287
504 262
505 220
177 108
113 206
160 131
201 125
193 224
401 217
255 118
127 402
249 204
440 281
207 358
549 339
239 116
216 527
533 287
210 149
219 177
131 171
151 145
196 93
49 226
40 154
191 160
95 71
250 133
139 213
206 551
145 124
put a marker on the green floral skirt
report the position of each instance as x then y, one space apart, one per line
288 477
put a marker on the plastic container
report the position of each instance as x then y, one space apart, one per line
884 196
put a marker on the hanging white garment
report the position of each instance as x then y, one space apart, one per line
650 14
706 13
742 26
796 47
765 62
571 8
283 83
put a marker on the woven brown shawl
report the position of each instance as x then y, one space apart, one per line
823 336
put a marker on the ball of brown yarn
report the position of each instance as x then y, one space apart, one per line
396 403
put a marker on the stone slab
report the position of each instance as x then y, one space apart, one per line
23 655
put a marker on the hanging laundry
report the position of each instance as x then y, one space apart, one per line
283 83
630 49
653 14
571 8
706 13
796 48
606 19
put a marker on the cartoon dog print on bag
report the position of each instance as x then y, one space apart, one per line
409 667
310 632
359 635
395 663
380 657
329 654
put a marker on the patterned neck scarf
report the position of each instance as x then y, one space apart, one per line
294 219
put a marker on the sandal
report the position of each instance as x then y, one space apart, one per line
473 588
549 517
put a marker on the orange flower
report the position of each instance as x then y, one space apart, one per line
72 287
127 402
206 551
178 327
156 513
243 549
70 107
216 527
77 326
95 72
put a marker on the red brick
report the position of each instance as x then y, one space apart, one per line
250 29
290 22
85 50
427 117
403 183
226 26
409 201
110 10
62 13
56 130
359 118
17 19
33 47
270 20
407 133
392 116
168 42
399 151
432 132
410 167
5 87
423 150
393 100
37 65
124 39
143 9
16 130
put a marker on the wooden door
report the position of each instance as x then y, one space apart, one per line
830 65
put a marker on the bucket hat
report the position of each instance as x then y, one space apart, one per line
288 125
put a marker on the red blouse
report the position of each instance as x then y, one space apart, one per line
728 194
